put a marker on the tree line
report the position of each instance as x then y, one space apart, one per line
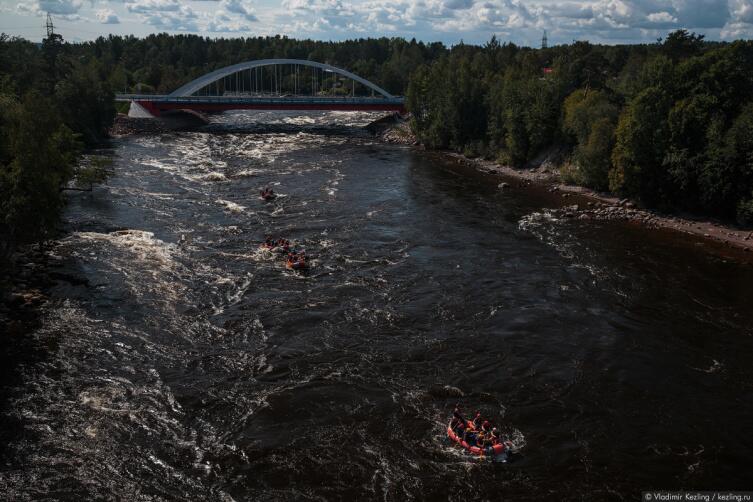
669 124
161 63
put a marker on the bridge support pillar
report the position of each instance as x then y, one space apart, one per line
143 110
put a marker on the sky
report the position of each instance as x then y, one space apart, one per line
448 21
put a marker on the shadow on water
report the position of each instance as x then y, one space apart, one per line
20 352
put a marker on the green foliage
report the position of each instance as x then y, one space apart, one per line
685 141
51 104
90 171
590 117
725 180
669 123
85 102
745 211
516 139
593 156
681 44
161 63
641 140
570 174
39 152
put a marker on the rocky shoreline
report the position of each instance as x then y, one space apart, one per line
123 125
600 206
393 128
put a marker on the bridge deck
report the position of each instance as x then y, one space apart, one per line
258 99
157 104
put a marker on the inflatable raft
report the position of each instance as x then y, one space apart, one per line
497 453
296 265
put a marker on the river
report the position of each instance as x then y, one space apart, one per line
186 364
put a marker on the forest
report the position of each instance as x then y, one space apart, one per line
53 105
669 124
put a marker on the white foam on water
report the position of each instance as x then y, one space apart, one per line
142 244
147 265
235 297
212 176
249 172
231 206
299 120
715 367
536 219
552 231
195 158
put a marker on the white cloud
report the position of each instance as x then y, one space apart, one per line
742 11
107 16
62 7
66 9
151 6
702 14
741 22
185 19
522 21
661 18
240 7
163 15
222 23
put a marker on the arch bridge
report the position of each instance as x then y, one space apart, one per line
270 84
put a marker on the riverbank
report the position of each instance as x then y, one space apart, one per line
592 205
393 128
24 285
123 125
604 206
180 120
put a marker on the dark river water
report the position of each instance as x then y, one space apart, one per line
193 366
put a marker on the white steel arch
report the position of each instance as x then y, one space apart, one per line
193 86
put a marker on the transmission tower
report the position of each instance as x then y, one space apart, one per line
544 41
49 26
